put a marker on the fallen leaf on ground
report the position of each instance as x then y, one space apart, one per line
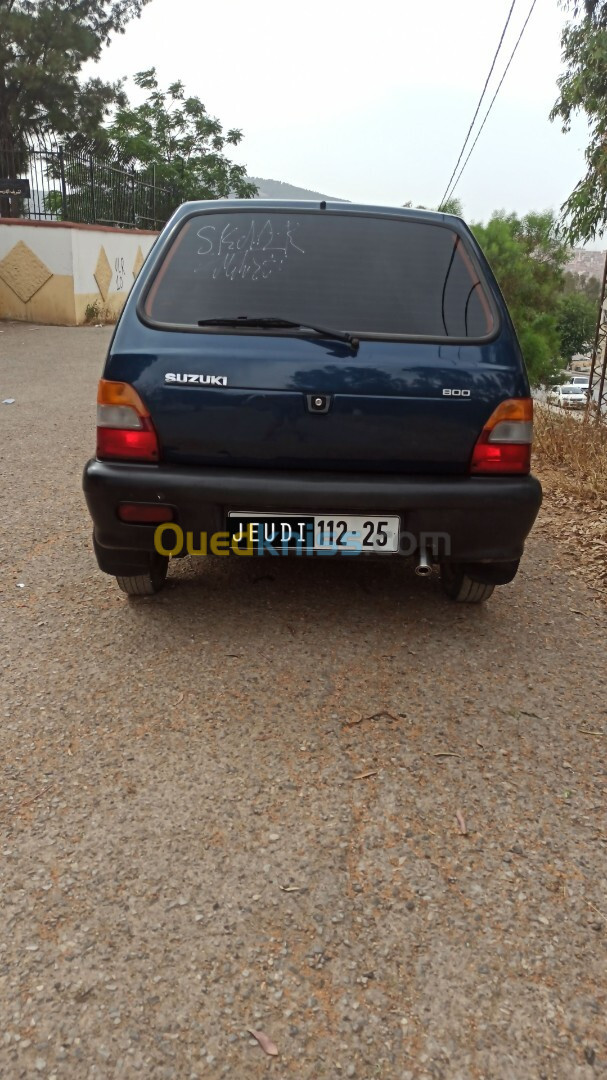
264 1041
461 821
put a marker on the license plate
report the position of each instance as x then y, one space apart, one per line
326 532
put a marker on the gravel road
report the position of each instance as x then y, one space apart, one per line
236 805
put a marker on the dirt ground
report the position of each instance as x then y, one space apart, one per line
241 804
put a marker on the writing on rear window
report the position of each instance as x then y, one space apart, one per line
364 273
252 249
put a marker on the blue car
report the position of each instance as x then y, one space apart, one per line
314 379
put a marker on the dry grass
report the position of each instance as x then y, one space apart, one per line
575 449
570 457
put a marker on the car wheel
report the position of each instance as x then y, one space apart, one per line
461 588
152 581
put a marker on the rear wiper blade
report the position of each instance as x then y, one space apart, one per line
274 323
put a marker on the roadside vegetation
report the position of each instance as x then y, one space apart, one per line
582 90
554 311
570 457
169 130
576 450
529 258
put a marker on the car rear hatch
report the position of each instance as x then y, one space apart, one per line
432 351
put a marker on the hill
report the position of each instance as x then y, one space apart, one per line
277 189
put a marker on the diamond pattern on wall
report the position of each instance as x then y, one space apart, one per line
138 261
103 274
23 271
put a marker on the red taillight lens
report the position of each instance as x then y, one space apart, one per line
504 445
124 428
142 514
131 445
496 458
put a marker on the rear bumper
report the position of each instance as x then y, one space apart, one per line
485 519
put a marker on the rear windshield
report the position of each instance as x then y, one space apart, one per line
338 270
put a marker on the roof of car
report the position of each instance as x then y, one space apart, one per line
412 213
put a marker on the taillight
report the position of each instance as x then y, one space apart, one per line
124 427
504 445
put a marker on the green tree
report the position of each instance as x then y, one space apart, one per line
576 323
583 88
43 47
527 256
450 206
176 134
588 286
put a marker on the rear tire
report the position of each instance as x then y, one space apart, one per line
152 581
461 588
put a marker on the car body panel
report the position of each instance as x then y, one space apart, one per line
389 407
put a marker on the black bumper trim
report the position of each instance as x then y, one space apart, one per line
487 518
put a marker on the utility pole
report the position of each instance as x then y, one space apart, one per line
598 370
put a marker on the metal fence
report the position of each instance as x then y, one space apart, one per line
55 183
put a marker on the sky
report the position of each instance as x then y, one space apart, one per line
371 102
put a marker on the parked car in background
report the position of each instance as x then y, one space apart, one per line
568 396
579 380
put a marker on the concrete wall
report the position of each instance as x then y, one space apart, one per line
66 274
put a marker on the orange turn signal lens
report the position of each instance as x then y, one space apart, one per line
120 393
513 409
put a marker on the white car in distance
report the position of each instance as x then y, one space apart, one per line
568 396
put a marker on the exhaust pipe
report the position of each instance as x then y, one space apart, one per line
424 566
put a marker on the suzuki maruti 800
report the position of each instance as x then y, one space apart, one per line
314 378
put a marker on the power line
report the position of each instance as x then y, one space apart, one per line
512 54
480 100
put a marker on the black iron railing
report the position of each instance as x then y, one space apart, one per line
49 182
